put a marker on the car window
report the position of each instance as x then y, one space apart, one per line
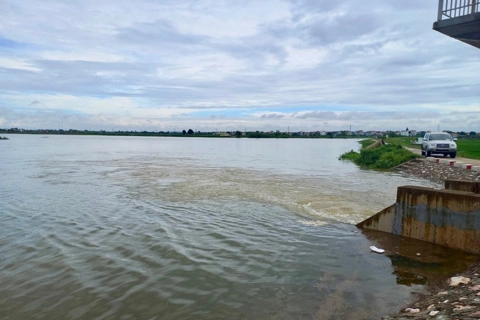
440 137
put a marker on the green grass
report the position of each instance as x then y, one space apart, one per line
366 142
466 148
404 141
384 157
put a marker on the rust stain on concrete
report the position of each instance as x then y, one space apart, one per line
449 217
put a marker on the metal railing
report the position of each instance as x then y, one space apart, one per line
448 9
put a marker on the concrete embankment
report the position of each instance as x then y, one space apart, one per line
448 217
445 301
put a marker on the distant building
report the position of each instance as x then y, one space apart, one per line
408 133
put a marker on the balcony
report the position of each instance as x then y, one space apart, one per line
459 19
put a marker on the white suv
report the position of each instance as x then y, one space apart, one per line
439 143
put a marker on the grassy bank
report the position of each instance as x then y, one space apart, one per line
384 157
468 148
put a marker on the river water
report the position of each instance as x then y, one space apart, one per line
96 227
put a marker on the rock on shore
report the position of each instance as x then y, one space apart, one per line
459 299
436 172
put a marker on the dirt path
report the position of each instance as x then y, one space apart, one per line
473 162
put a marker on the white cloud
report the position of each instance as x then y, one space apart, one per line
322 65
81 56
229 19
305 58
18 64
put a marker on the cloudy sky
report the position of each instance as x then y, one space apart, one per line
298 65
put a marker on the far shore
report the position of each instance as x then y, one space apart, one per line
192 134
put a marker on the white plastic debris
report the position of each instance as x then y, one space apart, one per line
455 281
377 250
412 310
433 313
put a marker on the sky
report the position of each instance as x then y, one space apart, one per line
291 65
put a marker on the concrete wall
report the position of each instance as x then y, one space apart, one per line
382 221
463 185
447 217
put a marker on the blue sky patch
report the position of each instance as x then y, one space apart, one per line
7 43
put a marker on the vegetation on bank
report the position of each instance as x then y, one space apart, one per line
190 133
367 142
384 157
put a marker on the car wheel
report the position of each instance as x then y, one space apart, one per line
423 152
453 154
427 153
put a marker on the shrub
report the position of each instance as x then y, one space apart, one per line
384 157
351 156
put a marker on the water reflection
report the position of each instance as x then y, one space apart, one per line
141 228
419 262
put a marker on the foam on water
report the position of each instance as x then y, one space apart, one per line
109 228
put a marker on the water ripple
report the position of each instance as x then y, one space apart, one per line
102 228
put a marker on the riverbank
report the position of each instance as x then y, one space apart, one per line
458 298
450 299
436 172
378 155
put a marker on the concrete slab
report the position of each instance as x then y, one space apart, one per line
474 162
447 161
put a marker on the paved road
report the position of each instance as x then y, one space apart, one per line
473 162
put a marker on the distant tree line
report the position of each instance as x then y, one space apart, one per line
238 134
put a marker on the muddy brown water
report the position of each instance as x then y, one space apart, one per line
190 228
